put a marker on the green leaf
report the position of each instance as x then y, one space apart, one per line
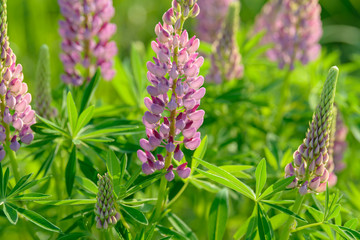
72 112
251 229
181 226
84 119
352 223
107 131
146 181
277 187
72 202
261 176
326 201
74 236
70 171
218 215
31 197
169 232
271 159
338 230
335 212
37 219
87 184
19 185
199 152
204 185
227 178
264 225
52 125
10 213
284 210
113 164
1 182
123 164
90 90
135 214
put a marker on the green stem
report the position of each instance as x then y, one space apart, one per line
307 226
13 162
161 200
290 221
178 194
284 96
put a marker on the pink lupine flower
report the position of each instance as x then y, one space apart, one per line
211 18
226 59
86 31
294 28
312 164
15 108
175 94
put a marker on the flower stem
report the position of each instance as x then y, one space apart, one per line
290 221
284 96
161 200
178 194
13 162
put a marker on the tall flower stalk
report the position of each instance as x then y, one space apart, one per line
43 96
226 59
294 28
173 118
16 113
86 31
211 18
311 166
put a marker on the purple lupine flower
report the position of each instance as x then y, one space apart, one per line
311 160
210 19
86 31
175 93
105 209
226 59
15 104
294 28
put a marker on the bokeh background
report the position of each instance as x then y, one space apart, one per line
239 127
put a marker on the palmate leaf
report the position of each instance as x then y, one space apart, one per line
52 125
218 215
142 183
223 177
261 176
170 232
19 185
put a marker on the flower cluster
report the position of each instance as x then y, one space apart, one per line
15 100
311 159
226 59
105 211
43 97
86 32
175 93
211 17
294 28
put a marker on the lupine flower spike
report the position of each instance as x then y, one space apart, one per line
16 112
294 28
211 18
226 59
43 97
175 93
105 210
86 32
310 164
